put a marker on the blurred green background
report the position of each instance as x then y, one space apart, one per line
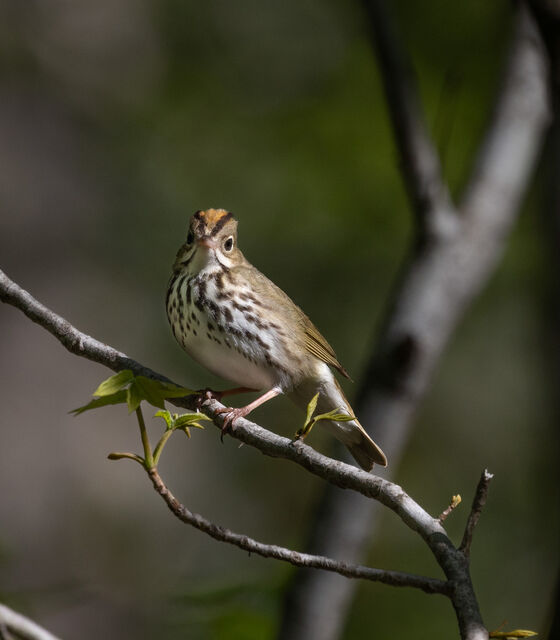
118 119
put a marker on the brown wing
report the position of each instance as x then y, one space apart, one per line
319 347
289 314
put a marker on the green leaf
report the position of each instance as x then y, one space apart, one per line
166 416
190 420
131 456
182 422
310 419
139 388
149 390
133 397
155 391
114 398
170 390
335 415
114 383
311 408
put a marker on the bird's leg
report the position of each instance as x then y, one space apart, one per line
210 394
241 412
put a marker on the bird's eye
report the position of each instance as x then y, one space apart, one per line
228 244
190 237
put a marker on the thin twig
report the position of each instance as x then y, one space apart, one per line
125 455
159 446
455 502
148 456
478 504
392 578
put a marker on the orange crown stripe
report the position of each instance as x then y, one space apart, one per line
212 216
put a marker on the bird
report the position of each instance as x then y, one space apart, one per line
239 325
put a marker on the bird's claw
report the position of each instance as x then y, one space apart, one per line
232 414
206 394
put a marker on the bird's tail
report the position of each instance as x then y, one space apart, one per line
351 433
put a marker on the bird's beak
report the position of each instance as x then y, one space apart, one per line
206 242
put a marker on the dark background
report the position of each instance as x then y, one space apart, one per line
119 119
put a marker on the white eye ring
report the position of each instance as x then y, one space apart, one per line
228 244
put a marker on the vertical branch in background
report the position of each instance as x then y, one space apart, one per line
419 160
12 623
552 330
547 15
451 258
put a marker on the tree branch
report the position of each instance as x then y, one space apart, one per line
420 164
478 504
345 476
513 140
441 276
338 473
392 578
24 627
445 271
75 341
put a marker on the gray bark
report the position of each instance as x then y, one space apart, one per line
451 259
453 561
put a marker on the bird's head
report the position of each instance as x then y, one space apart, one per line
211 239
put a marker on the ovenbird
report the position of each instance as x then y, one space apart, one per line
238 324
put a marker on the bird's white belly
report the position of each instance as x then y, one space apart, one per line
228 362
223 335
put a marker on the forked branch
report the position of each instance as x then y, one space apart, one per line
222 534
449 261
453 562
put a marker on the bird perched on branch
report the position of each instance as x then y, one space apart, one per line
234 321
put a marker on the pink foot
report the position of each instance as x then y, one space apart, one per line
210 394
232 414
207 394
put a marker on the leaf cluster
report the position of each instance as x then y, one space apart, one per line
126 388
310 420
182 421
